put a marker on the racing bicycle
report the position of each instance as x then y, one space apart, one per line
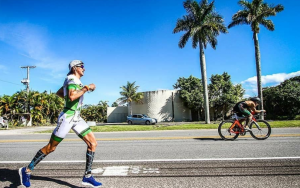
231 129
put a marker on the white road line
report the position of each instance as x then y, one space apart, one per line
157 160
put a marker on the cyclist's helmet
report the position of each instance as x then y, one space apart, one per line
255 99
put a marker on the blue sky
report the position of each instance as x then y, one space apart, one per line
132 40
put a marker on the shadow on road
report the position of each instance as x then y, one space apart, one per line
60 182
213 139
12 176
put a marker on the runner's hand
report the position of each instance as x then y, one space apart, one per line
92 87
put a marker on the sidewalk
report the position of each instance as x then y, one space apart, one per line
26 130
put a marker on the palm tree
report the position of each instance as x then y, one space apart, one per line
129 93
255 13
203 25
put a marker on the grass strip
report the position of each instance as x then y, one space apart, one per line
158 127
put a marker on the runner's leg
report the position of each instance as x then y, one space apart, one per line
91 142
83 130
62 128
42 153
59 133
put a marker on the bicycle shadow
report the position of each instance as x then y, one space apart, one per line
12 176
210 139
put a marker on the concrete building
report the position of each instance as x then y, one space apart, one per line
164 105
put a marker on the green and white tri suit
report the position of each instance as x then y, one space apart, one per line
70 118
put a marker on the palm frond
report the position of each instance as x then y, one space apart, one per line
201 24
255 13
195 41
206 11
268 24
183 39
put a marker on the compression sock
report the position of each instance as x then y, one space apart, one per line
37 158
89 162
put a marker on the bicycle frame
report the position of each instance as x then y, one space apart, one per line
237 122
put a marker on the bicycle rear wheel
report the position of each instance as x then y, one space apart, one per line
260 129
225 132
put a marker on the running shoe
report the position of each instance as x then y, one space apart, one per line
90 181
24 177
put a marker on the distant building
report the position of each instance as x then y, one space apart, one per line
164 105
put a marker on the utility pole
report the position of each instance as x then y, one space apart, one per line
26 81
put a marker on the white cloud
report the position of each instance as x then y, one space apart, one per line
31 42
271 79
250 84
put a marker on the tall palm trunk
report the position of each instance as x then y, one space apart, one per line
204 82
258 69
130 108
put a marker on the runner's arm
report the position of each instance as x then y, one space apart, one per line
60 92
75 94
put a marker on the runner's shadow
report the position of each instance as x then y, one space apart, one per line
12 176
60 182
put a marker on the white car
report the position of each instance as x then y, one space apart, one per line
3 123
140 119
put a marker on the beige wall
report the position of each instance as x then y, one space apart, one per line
117 114
156 104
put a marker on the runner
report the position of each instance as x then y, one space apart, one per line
72 91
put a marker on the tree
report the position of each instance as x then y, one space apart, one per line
130 94
96 113
203 25
43 107
255 13
223 94
191 92
8 106
115 104
283 101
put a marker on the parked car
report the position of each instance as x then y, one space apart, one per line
140 119
3 123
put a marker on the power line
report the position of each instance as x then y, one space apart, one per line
11 82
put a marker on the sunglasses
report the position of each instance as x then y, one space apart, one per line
81 66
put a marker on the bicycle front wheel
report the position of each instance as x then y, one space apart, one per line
260 129
225 131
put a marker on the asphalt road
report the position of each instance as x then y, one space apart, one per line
194 158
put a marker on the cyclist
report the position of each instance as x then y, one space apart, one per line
244 109
72 91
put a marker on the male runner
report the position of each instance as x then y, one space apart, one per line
72 91
244 108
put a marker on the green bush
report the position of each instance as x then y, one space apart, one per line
297 117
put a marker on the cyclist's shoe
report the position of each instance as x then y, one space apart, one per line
90 181
24 177
247 129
